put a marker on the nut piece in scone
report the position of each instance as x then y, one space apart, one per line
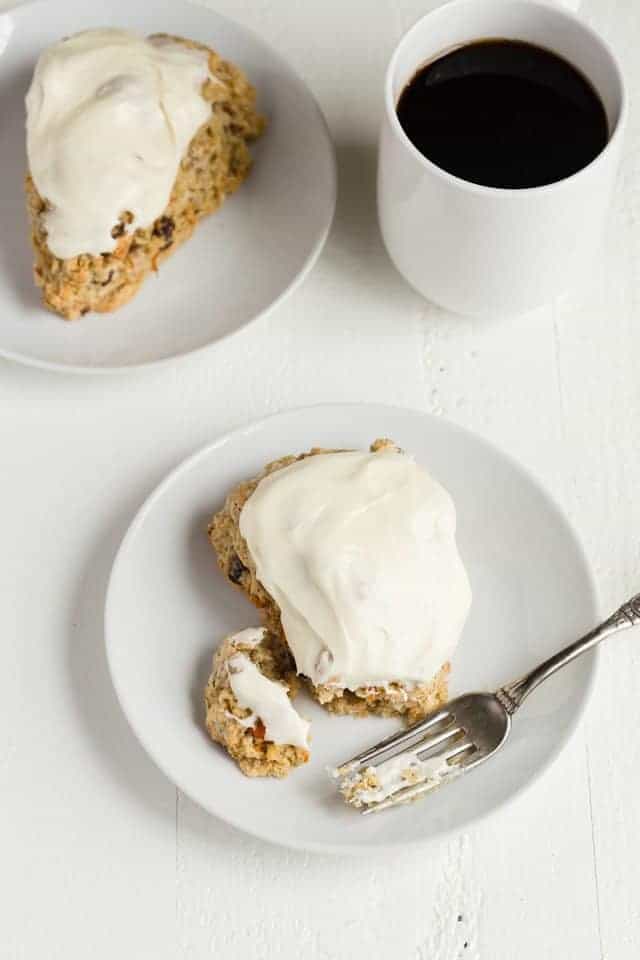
248 705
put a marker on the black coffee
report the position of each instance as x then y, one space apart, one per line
504 114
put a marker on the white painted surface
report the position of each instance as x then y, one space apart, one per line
99 857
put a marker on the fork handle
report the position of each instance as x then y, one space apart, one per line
512 695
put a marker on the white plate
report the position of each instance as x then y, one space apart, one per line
239 263
168 606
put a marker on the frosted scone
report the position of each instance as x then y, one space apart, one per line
130 142
248 705
352 557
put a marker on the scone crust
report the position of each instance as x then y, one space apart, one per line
236 563
255 756
217 161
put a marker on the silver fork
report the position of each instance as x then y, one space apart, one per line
469 729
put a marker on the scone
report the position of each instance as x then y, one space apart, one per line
248 706
349 667
127 154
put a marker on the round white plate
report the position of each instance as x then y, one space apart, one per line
240 262
168 606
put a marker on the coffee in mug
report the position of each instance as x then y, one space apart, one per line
504 113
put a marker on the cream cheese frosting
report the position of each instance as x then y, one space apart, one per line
359 552
404 770
267 701
109 117
249 637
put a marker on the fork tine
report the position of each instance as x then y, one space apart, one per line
396 739
431 742
459 750
415 790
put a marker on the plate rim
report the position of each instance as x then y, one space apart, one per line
361 849
80 369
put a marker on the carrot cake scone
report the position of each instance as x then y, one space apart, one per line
130 142
248 705
352 558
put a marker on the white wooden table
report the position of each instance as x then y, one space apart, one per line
100 856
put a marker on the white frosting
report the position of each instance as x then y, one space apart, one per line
250 637
267 700
403 770
109 117
359 552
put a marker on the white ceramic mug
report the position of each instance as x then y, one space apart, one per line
483 250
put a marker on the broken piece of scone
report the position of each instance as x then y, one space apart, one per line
130 142
249 710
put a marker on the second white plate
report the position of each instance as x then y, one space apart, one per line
239 263
168 607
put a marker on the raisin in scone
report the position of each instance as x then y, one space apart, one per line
248 706
352 559
130 142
